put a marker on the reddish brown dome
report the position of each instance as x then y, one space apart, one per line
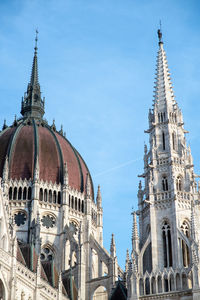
28 140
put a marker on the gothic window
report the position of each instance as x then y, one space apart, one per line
174 141
10 193
29 193
179 183
41 194
163 140
45 195
161 115
164 183
167 244
46 254
15 194
24 193
48 221
50 196
20 218
59 197
72 201
164 116
75 203
184 246
79 204
69 201
185 229
82 206
20 193
54 197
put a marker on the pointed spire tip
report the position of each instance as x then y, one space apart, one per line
160 35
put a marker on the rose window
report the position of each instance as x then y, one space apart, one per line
46 254
20 218
48 221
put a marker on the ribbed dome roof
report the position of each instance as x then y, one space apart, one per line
32 138
31 141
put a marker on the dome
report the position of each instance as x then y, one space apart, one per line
22 143
30 141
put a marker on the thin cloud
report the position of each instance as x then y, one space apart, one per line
118 167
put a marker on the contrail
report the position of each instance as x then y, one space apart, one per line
118 167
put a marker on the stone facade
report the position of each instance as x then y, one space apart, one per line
51 227
164 262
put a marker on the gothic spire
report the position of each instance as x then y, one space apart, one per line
99 199
88 186
164 96
32 103
127 261
135 236
112 247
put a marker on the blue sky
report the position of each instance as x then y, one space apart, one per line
96 70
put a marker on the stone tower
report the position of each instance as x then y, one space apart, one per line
165 256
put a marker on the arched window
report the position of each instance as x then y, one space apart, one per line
15 194
29 193
10 193
167 244
163 140
185 228
50 196
59 198
79 204
54 197
20 193
179 183
75 203
72 201
82 206
45 195
47 254
25 193
174 141
69 201
184 246
41 194
164 183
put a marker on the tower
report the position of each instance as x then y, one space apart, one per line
168 202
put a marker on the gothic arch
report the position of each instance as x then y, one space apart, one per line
167 244
52 252
100 292
179 183
2 290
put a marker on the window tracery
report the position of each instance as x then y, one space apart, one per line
179 183
184 246
47 254
167 244
164 183
48 221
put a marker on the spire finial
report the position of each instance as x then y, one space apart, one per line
160 34
33 105
36 40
